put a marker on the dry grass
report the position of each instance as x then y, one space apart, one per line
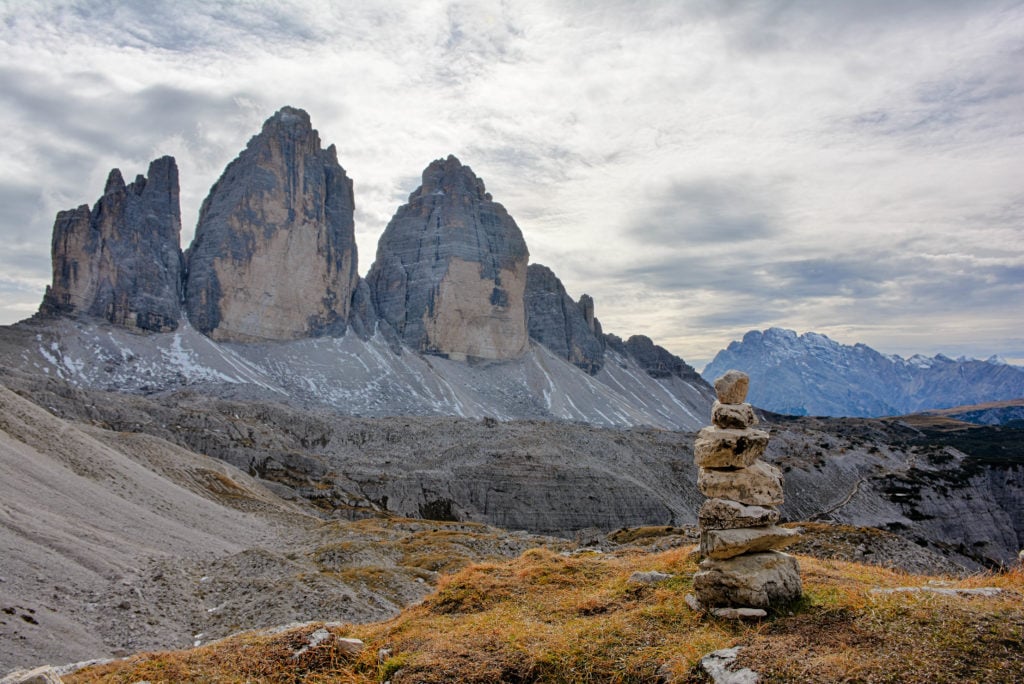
548 617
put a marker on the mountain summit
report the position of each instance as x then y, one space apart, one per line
274 256
451 269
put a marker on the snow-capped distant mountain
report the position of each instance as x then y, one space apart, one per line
811 374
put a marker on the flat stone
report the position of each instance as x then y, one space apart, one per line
723 514
732 387
987 592
692 602
719 667
737 416
755 580
729 543
757 485
649 577
727 448
739 613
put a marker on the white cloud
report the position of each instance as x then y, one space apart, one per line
873 148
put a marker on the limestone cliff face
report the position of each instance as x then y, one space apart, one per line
274 257
122 261
450 271
567 328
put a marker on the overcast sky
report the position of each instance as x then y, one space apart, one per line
701 168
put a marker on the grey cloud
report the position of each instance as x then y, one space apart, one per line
745 315
708 211
828 277
18 206
119 122
181 26
776 25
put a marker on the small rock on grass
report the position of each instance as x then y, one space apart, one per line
739 613
649 577
718 666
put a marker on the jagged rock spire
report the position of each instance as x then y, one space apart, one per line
274 257
122 260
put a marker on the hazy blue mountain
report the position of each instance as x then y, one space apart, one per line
811 374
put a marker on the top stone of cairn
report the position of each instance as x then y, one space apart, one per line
732 387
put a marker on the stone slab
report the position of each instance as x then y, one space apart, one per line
735 416
728 448
758 485
724 544
723 514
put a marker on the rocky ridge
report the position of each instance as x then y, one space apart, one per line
566 327
811 374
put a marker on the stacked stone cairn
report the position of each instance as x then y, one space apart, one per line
742 572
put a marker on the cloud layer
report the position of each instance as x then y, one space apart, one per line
701 168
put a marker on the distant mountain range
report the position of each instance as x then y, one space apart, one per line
811 374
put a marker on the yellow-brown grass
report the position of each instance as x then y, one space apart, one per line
547 617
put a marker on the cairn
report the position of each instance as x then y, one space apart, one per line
741 567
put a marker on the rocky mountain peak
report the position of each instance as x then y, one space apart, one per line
813 374
274 257
450 271
122 261
449 175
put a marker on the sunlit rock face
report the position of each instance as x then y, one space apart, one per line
121 261
450 272
274 257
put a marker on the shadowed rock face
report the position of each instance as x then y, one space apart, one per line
655 359
450 271
274 257
122 261
567 328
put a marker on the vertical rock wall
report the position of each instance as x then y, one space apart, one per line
274 257
122 261
450 272
567 328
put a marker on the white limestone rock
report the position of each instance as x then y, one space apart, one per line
732 386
